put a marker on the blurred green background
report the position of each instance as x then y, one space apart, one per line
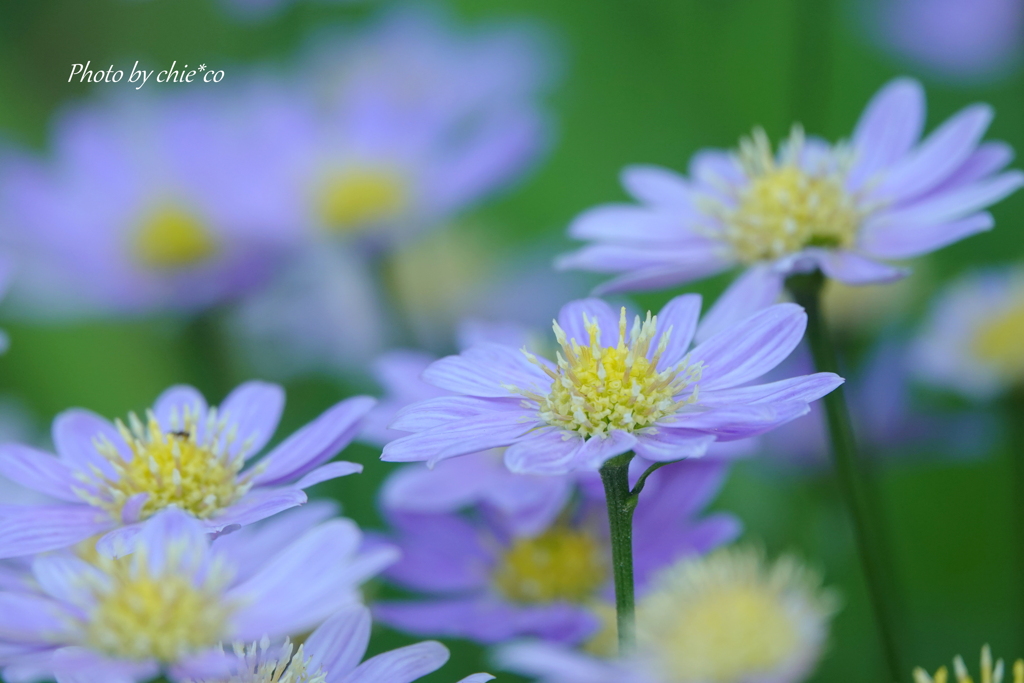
644 81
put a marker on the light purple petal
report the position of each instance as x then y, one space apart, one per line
468 435
338 645
39 471
171 406
403 665
441 553
547 450
314 444
254 408
656 185
596 450
571 320
669 445
889 127
942 153
897 243
64 577
30 529
331 470
852 269
680 315
628 224
806 388
477 678
447 487
706 263
486 370
949 206
549 663
73 434
256 505
30 618
756 289
746 351
445 410
81 665
741 422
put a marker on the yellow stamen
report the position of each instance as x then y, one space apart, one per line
259 664
786 207
597 389
171 238
199 475
354 200
560 564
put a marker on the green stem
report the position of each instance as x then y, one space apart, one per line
621 503
208 355
806 290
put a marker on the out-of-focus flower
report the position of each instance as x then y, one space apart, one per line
864 310
614 389
810 206
972 341
143 205
169 604
989 673
111 478
725 618
887 422
489 582
969 40
331 654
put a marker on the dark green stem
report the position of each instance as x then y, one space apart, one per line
621 503
1014 415
806 290
643 478
208 355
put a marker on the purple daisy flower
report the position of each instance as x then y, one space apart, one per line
144 205
109 478
838 208
615 388
170 604
332 654
489 582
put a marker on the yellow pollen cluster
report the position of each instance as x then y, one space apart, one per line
597 389
176 467
726 618
258 665
171 238
351 201
1000 341
989 673
560 564
138 615
785 208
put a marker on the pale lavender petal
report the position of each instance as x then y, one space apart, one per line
81 665
662 277
571 319
942 153
756 289
741 422
746 351
852 269
254 409
64 577
403 665
486 370
445 410
468 435
172 538
26 530
656 185
806 388
301 586
331 470
441 553
39 471
597 450
120 541
171 406
314 444
477 678
132 508
889 127
911 241
669 445
74 432
949 206
988 158
256 505
628 224
680 315
547 450
338 645
30 618
549 663
445 488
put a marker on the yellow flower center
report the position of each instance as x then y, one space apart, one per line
560 564
257 665
139 616
989 673
171 238
1000 341
353 200
785 208
597 389
724 619
173 468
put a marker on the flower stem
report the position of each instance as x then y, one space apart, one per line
806 290
621 503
